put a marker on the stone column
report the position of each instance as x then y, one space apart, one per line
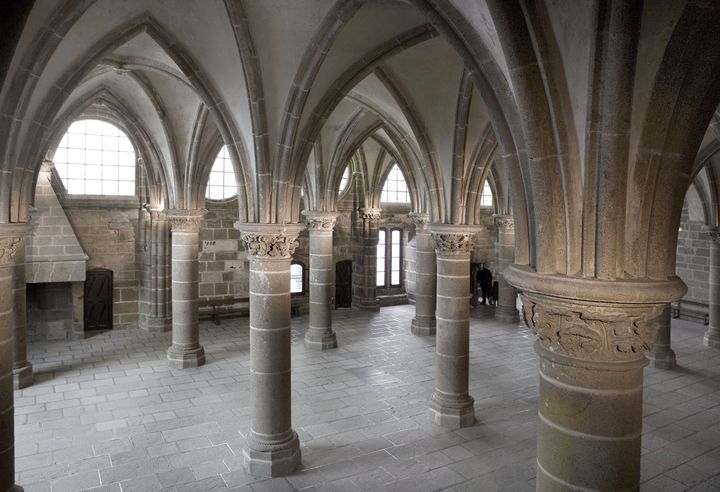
22 369
365 271
712 336
661 355
11 238
157 276
186 350
505 308
592 340
426 277
451 405
273 447
320 335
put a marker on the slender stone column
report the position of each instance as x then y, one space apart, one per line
320 335
506 308
11 238
592 340
365 271
22 369
661 355
451 405
157 276
426 277
186 350
712 336
273 447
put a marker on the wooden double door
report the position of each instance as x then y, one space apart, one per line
98 303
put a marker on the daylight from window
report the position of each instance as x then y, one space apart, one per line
296 278
344 180
395 189
486 199
221 184
96 158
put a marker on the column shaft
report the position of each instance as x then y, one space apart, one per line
365 267
186 350
273 447
712 336
506 308
426 278
661 355
157 310
451 405
22 369
320 334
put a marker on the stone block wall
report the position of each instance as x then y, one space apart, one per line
107 233
49 311
693 255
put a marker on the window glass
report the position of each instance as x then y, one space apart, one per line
380 263
221 184
395 189
296 278
395 244
344 181
486 199
96 158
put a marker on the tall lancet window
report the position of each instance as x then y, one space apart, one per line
395 189
221 184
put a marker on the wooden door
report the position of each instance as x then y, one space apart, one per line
99 299
343 283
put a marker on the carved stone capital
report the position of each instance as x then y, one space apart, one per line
421 220
320 221
505 223
185 220
592 331
712 233
157 214
269 241
451 240
370 213
12 237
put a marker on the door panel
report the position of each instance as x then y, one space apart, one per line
99 299
343 283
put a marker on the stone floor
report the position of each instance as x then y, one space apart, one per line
106 413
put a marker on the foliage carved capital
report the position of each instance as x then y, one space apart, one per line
186 220
320 221
370 213
505 223
269 241
421 220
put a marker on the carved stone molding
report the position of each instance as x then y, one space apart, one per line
8 248
592 332
157 214
12 237
453 240
370 213
712 233
269 241
185 220
421 220
505 223
320 221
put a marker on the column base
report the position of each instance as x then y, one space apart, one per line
271 459
320 340
424 326
368 304
157 325
16 488
452 414
711 339
182 358
22 376
664 358
507 314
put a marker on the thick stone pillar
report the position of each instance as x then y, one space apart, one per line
320 335
273 447
661 355
505 308
592 340
22 369
365 264
186 350
156 295
712 336
11 239
451 405
426 277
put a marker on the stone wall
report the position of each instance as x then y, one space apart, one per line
693 254
49 311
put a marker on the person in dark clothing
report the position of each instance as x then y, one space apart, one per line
484 278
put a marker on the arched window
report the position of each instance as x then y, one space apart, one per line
486 198
389 258
344 181
296 278
96 158
221 184
395 189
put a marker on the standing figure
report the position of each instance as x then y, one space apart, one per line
484 278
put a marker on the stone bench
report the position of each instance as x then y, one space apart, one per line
690 309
